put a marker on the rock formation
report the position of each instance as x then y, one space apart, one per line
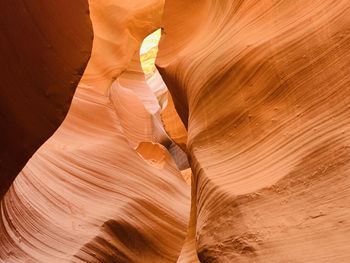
103 188
263 89
244 159
44 48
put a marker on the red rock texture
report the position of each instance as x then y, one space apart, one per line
259 104
44 48
263 88
104 187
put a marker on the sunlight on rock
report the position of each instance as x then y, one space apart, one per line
148 52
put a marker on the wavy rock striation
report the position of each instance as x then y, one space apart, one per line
104 187
42 60
259 104
263 89
87 196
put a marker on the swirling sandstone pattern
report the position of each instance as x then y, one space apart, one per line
259 103
263 88
42 58
103 188
87 196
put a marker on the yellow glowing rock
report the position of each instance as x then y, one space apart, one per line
148 52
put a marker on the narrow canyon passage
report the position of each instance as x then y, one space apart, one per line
107 186
211 131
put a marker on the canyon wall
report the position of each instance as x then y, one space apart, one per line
104 187
258 106
263 89
43 57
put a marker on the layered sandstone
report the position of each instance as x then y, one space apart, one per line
44 48
258 106
104 187
263 89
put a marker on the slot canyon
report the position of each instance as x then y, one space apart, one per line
184 131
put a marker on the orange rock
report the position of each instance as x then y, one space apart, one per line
44 48
262 87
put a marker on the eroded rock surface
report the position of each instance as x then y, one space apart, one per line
104 187
44 48
259 104
263 88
